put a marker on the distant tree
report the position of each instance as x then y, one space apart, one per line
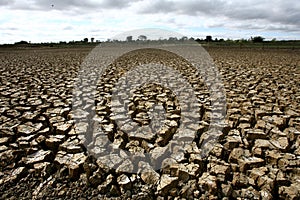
21 42
191 39
242 40
142 37
257 39
92 40
221 40
198 40
85 40
129 38
273 40
173 38
208 38
184 38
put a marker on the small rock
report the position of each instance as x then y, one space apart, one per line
289 192
208 182
74 162
19 172
124 182
264 182
226 190
158 152
236 154
43 168
54 140
114 191
180 171
253 134
281 143
166 183
273 156
249 163
221 171
29 128
4 140
261 143
187 190
62 128
71 145
265 195
257 172
239 180
96 177
233 141
74 171
39 156
250 193
148 175
41 139
218 150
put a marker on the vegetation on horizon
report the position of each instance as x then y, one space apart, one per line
256 41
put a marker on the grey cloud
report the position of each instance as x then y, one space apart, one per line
283 27
8 34
12 29
97 30
5 2
9 28
246 13
43 4
204 6
67 5
268 27
115 4
283 12
184 7
277 13
67 28
163 6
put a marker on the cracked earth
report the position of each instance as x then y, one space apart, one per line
256 156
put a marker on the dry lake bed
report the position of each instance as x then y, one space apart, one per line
255 156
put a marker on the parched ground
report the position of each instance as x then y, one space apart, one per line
257 155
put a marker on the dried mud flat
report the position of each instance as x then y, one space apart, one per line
257 155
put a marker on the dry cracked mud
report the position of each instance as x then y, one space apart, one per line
257 155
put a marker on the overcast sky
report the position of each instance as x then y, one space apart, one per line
66 20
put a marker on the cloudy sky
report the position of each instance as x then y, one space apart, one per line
66 20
